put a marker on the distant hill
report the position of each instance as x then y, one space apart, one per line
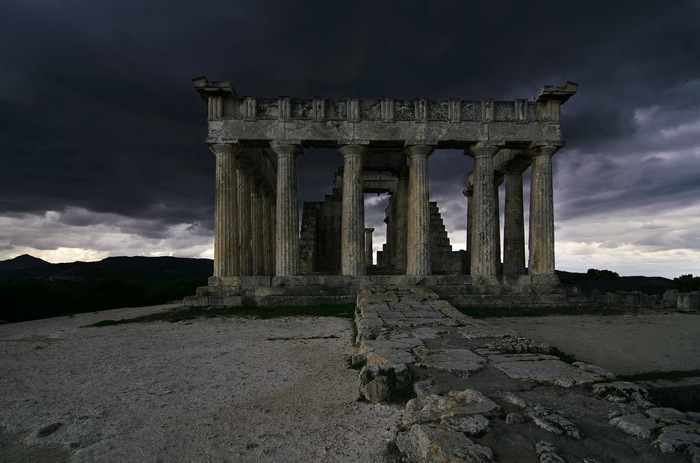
137 268
31 288
25 261
588 282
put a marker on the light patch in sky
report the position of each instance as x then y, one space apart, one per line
50 238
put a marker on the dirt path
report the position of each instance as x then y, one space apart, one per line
624 344
216 390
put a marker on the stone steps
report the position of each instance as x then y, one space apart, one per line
482 393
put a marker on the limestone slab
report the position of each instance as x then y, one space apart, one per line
636 425
547 371
425 444
461 362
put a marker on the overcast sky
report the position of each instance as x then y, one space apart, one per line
102 133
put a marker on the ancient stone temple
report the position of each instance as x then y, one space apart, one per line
261 251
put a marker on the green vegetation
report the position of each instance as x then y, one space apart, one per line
497 312
686 283
609 281
26 298
319 310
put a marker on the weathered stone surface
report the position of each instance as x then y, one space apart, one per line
461 362
378 383
519 345
623 392
664 413
636 425
388 356
474 425
678 437
553 422
512 418
595 369
455 405
513 399
488 331
425 444
547 453
547 371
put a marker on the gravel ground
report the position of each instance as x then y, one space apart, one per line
214 390
623 344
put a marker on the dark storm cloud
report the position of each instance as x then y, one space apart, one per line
98 111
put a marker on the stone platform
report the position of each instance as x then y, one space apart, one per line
484 393
459 290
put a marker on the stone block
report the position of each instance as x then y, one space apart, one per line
387 356
425 444
679 437
636 425
378 383
547 371
195 302
664 413
461 362
254 281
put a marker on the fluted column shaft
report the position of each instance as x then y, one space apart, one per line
244 224
541 259
497 181
469 193
287 236
400 222
226 210
266 225
514 226
256 228
483 254
352 235
418 240
369 251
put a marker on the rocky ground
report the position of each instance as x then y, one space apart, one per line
238 389
215 390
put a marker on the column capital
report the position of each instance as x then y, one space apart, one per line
286 147
516 166
352 149
483 149
543 150
226 148
418 150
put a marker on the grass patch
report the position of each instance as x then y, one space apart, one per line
654 375
318 310
498 312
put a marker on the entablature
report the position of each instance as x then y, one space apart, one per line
388 122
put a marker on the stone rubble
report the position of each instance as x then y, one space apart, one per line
474 385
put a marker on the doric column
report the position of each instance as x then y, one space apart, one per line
256 227
497 181
267 225
483 254
245 173
400 220
287 239
514 226
226 210
418 241
469 193
541 260
353 219
369 251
